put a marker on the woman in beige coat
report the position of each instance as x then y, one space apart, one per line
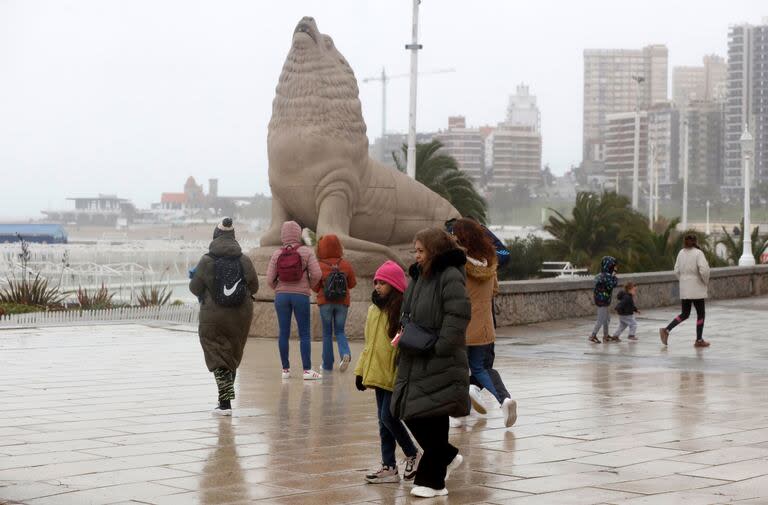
692 269
482 286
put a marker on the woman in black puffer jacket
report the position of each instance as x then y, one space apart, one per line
433 385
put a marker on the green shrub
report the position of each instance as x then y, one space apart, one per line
17 308
32 291
96 299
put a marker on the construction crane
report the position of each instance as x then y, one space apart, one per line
384 79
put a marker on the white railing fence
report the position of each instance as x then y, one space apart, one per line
181 314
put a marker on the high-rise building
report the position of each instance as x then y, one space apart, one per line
516 152
747 102
620 149
467 146
522 109
706 82
610 87
704 120
664 144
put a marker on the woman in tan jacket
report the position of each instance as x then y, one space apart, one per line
482 286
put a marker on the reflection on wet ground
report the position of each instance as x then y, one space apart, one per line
120 414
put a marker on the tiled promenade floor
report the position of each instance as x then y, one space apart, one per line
120 414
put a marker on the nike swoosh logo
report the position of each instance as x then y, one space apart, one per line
228 292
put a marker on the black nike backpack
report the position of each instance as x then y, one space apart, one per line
229 285
335 288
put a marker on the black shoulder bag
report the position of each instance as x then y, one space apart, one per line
415 338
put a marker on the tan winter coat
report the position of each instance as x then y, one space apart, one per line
482 286
692 269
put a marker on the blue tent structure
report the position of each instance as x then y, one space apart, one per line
40 233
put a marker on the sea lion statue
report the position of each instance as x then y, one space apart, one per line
319 170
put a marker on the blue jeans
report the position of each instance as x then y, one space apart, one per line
334 317
286 305
391 430
476 354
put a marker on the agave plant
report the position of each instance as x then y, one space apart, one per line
32 291
153 294
99 298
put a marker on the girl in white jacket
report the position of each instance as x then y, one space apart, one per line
692 269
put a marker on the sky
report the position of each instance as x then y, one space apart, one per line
130 97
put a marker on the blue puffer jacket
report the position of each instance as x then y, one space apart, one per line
605 281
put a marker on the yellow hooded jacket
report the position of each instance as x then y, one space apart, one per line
377 364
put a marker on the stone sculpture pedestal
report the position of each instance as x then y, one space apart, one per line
264 322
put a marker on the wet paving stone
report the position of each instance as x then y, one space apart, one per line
119 414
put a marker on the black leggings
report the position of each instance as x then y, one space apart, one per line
686 312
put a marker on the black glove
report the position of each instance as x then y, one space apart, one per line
359 383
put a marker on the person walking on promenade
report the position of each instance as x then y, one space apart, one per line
338 277
626 309
292 272
692 269
433 382
482 286
605 281
225 281
377 367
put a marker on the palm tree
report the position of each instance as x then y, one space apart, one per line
440 173
600 225
656 251
735 247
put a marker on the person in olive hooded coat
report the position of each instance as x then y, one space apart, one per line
433 385
223 330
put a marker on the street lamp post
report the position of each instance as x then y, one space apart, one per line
707 230
650 185
685 175
747 147
413 47
636 162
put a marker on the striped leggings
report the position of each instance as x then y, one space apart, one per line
686 312
225 381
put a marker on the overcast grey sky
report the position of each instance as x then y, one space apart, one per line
133 96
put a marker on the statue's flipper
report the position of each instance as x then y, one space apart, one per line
334 217
271 237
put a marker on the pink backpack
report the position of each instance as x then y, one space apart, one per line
290 267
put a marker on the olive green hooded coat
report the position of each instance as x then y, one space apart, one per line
223 330
436 383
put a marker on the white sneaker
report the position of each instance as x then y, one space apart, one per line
427 492
286 373
509 410
311 375
344 363
476 399
457 461
218 411
457 422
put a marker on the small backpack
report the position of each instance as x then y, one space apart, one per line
335 288
229 285
290 267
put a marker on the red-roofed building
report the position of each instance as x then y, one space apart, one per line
173 201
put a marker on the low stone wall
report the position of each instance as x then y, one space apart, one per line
524 302
519 302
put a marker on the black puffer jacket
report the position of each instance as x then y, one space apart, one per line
223 330
436 383
626 305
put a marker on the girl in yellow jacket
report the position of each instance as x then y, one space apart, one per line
377 368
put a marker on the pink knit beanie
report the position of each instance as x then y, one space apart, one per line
391 273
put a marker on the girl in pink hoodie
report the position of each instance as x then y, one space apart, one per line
292 294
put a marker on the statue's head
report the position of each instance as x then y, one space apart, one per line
317 90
